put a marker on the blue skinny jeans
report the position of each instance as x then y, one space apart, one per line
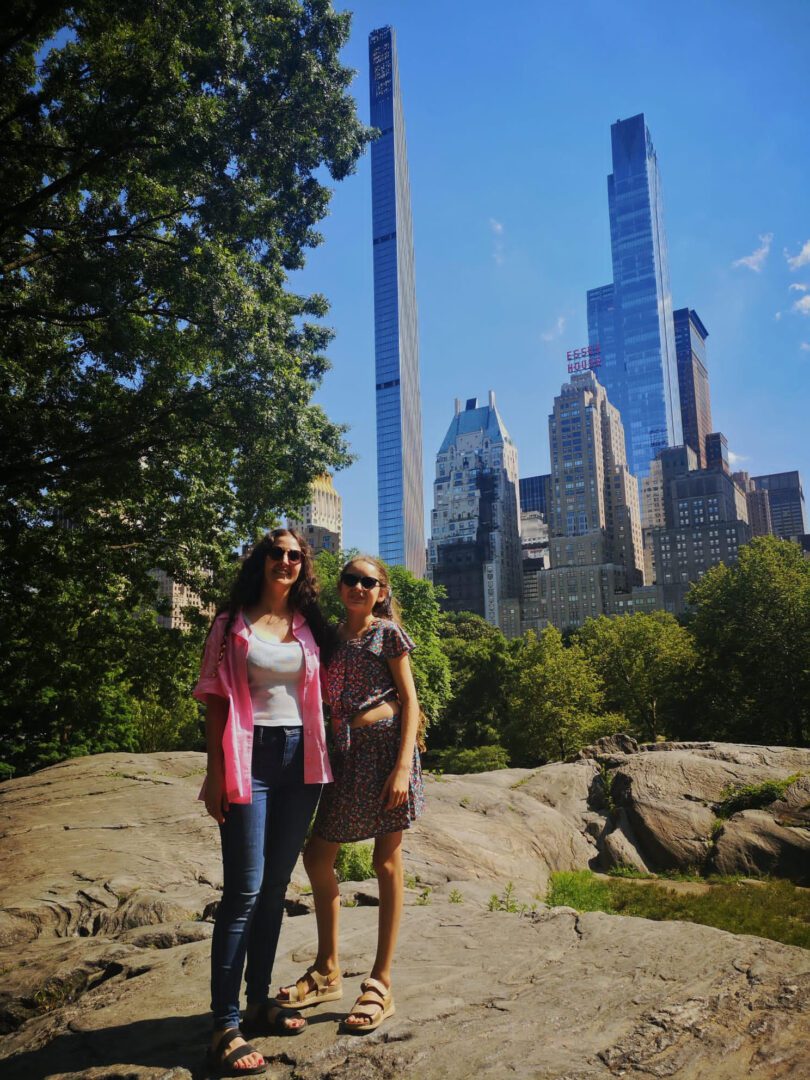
260 843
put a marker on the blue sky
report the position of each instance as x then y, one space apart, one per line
508 111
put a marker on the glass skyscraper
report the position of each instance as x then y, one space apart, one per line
632 318
400 499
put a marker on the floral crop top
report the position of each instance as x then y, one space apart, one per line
358 676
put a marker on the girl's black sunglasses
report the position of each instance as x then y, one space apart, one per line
277 553
351 580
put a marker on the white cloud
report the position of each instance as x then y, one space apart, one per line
802 259
559 326
496 228
778 316
756 260
797 287
736 459
805 346
802 306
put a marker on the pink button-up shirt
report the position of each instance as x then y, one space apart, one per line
229 680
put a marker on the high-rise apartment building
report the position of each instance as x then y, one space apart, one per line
693 380
400 497
631 319
758 504
321 520
534 493
706 523
474 549
786 498
594 519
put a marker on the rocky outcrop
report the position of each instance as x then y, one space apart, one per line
110 873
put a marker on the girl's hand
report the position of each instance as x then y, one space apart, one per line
216 799
395 788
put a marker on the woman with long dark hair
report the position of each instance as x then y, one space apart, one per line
267 762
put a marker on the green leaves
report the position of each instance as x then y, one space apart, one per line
751 625
156 372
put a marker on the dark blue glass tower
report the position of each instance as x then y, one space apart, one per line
632 319
400 500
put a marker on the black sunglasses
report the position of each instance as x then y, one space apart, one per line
277 553
351 580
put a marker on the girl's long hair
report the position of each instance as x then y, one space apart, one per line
246 590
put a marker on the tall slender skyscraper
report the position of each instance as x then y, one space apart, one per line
632 321
693 380
400 499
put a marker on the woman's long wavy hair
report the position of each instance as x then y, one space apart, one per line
246 590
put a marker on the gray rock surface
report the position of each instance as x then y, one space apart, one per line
109 869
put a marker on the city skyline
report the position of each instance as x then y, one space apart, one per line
510 224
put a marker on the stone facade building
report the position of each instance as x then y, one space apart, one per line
474 549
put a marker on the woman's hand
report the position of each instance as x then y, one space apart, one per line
395 788
216 798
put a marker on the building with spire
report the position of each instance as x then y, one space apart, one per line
631 318
474 549
400 496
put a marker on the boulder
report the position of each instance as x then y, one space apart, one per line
753 842
110 874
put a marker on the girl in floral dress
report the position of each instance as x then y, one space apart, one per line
377 790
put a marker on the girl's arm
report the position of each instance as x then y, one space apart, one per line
395 789
216 716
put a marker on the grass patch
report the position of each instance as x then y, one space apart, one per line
455 897
354 862
753 796
628 872
579 889
771 909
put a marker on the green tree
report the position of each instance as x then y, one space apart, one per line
479 659
421 617
161 177
751 625
556 701
647 664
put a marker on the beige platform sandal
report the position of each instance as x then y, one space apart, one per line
375 1002
311 989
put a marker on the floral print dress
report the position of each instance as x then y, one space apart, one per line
357 679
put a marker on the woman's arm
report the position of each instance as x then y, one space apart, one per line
216 716
395 790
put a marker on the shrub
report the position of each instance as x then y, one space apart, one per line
474 760
354 862
753 796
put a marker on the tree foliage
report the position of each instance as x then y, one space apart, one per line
556 701
160 178
646 663
479 659
751 626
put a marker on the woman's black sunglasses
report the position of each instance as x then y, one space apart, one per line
277 553
351 580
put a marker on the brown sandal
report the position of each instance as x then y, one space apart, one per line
311 989
376 1002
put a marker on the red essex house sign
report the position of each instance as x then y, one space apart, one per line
584 359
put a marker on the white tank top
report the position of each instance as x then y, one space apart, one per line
274 676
